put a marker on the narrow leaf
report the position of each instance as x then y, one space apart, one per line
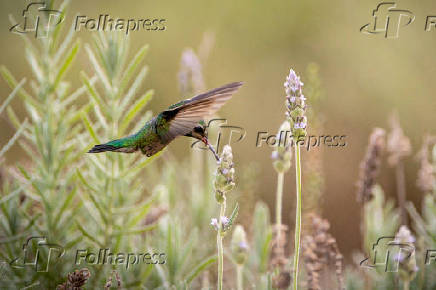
135 109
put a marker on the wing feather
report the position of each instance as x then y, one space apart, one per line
182 119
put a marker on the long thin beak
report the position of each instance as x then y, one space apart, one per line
206 142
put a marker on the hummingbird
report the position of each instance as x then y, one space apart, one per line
185 118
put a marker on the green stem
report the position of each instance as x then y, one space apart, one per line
219 240
239 277
279 204
298 215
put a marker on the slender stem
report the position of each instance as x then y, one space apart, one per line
239 277
298 215
406 285
219 240
279 204
401 191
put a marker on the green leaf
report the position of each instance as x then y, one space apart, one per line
133 88
89 128
88 235
14 138
78 92
12 95
232 218
128 73
66 64
10 195
14 118
136 231
93 199
34 64
142 212
67 201
203 265
98 69
135 109
65 44
12 82
141 165
91 90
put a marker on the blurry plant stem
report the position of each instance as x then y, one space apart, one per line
401 191
279 204
298 214
406 285
219 240
239 277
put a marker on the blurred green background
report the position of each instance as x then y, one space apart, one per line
364 78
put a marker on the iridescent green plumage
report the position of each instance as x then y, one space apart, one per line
185 118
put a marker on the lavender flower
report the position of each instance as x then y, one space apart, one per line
191 73
295 104
239 245
224 177
282 154
215 224
406 257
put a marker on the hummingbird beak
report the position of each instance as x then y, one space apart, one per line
206 142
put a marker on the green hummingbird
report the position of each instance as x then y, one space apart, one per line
185 118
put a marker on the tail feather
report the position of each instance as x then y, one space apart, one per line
102 148
116 146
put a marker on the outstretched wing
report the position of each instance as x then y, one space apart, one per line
181 118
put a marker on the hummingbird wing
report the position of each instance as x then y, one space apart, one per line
179 119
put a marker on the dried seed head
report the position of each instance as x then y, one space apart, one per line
295 104
398 145
239 245
75 280
155 214
319 250
279 260
278 257
282 155
370 165
108 284
283 280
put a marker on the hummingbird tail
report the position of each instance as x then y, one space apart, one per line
102 148
114 146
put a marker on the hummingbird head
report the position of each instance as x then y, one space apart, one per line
199 132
